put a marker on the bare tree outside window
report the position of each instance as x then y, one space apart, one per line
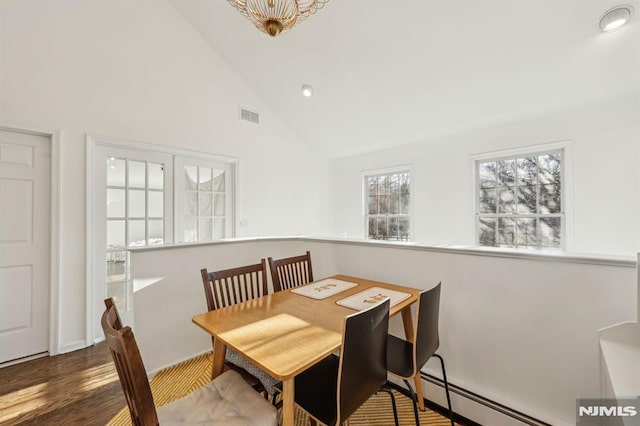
387 206
520 201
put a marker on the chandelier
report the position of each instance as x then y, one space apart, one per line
277 16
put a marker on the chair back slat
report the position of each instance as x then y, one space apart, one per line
426 332
130 368
209 293
244 286
291 272
230 286
233 289
363 358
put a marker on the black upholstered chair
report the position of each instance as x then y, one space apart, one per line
336 387
405 359
291 272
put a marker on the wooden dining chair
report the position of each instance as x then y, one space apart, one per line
109 303
333 389
228 287
227 400
406 359
291 272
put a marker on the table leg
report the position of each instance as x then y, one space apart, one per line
407 321
219 352
288 401
418 382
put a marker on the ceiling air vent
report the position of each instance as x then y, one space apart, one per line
250 116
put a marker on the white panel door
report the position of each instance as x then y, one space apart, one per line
24 244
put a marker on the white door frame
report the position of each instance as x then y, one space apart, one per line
55 192
97 241
94 140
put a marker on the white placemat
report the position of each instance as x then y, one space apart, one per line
323 288
371 296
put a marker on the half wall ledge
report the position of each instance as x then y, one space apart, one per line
620 357
541 255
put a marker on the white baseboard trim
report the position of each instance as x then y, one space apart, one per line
478 408
73 346
23 359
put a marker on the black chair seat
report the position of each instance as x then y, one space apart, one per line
406 361
334 388
316 390
399 357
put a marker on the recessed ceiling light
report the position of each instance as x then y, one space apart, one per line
307 90
615 17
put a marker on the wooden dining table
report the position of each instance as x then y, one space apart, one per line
285 333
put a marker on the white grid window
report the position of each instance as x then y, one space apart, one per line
387 205
205 214
520 201
138 196
135 216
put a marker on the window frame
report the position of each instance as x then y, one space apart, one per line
565 148
95 146
119 254
230 195
407 168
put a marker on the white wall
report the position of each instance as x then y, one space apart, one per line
605 191
177 293
522 332
134 69
520 329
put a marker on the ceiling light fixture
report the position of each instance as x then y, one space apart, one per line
615 18
307 90
277 16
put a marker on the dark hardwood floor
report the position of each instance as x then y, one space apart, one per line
78 388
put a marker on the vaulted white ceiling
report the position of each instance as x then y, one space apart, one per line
389 72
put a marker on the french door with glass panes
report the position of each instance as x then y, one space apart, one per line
132 208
